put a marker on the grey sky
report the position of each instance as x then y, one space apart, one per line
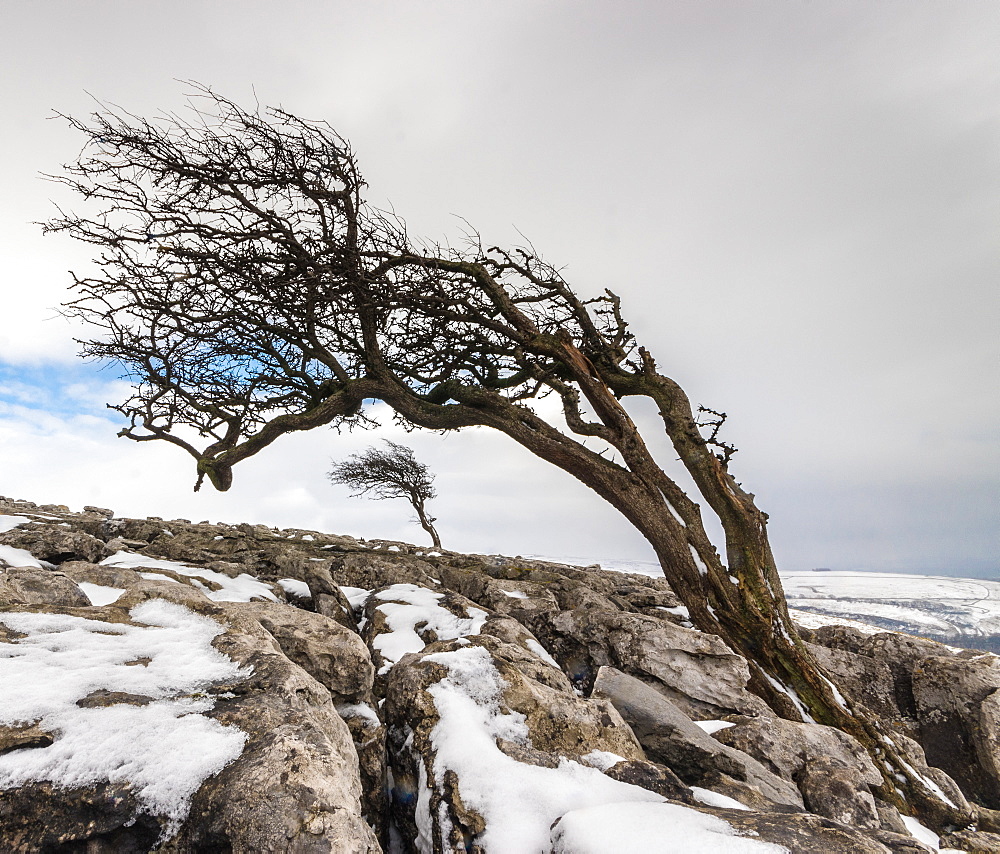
798 203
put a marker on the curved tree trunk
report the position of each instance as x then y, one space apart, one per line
426 522
740 601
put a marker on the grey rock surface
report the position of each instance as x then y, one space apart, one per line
831 770
296 785
958 709
32 586
670 737
696 671
332 654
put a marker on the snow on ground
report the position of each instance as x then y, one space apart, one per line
888 586
221 588
356 596
162 746
539 650
406 606
714 799
897 614
359 710
810 620
664 828
520 802
921 833
916 603
100 594
9 523
602 760
294 587
18 557
713 726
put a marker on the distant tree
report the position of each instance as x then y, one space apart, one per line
249 291
390 472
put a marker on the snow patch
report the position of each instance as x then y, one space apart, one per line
358 710
9 523
163 749
296 588
921 833
929 784
675 514
837 695
811 620
663 828
713 726
910 603
714 799
357 597
702 568
406 606
677 611
100 594
518 801
539 650
18 558
602 760
794 697
243 588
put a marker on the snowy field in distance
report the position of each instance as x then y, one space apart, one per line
920 604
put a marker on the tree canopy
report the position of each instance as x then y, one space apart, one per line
249 291
390 472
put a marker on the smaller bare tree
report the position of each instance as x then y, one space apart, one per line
390 472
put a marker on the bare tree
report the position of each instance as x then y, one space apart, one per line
392 472
249 291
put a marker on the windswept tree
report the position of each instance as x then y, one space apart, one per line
390 472
248 290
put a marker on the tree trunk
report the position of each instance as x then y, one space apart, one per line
742 603
426 522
